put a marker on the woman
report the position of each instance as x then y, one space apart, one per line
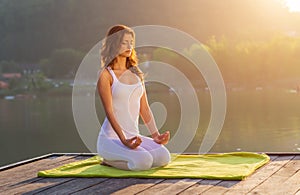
123 95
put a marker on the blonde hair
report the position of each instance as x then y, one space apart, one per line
111 46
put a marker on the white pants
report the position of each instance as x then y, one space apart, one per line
148 154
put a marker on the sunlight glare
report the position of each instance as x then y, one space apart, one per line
293 5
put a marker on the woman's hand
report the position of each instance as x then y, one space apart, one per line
133 142
162 138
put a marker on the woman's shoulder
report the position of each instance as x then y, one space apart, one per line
104 75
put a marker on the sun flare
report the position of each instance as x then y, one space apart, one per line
293 5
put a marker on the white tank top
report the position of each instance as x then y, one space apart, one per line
126 106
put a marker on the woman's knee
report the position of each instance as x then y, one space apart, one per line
162 157
143 162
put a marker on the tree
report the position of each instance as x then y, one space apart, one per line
62 63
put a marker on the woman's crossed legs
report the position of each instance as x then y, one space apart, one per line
148 154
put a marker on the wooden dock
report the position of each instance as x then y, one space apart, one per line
280 176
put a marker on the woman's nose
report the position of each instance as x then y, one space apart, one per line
129 46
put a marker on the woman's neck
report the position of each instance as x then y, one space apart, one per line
120 63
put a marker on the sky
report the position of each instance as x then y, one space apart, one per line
293 5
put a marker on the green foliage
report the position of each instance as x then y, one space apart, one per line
62 63
9 67
37 82
30 82
164 54
257 62
32 30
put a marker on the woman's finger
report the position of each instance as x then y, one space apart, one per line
138 141
164 138
166 135
135 142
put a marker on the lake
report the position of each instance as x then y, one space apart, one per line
256 120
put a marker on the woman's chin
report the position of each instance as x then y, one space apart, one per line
125 54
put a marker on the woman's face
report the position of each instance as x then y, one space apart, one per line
126 45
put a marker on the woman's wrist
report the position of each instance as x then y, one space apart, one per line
122 138
155 134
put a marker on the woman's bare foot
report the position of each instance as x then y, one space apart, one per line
119 164
104 163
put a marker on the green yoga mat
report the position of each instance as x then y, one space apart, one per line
226 166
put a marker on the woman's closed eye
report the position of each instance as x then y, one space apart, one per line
125 43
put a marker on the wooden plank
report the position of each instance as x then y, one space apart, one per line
224 186
284 170
113 185
26 161
218 185
292 184
273 157
138 187
200 187
8 172
179 186
280 177
10 175
159 187
29 188
220 188
67 187
259 176
25 174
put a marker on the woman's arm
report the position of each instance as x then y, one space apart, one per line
149 121
104 90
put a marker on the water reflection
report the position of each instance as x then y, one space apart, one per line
264 120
